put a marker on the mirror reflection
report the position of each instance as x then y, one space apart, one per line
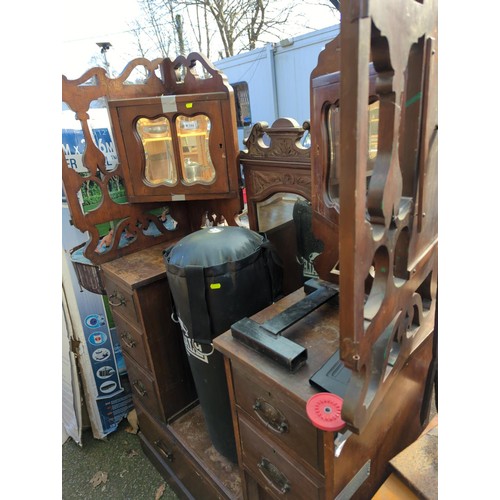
286 218
116 190
160 216
156 138
276 210
73 139
193 135
333 131
373 119
107 235
90 196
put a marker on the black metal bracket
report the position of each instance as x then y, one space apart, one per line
267 338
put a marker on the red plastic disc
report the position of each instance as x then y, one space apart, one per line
324 410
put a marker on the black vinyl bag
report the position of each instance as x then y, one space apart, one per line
218 276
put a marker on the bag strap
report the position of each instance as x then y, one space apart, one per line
274 266
200 319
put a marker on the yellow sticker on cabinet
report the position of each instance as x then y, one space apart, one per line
214 286
189 105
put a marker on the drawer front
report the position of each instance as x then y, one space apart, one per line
174 459
132 341
121 300
143 387
270 413
270 466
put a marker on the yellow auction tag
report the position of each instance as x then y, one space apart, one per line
215 286
189 105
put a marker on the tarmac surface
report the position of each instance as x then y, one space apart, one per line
113 469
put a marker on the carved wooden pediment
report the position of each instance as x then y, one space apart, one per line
280 142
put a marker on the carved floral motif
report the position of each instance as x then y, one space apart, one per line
265 181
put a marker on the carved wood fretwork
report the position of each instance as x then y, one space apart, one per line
184 75
382 241
192 74
284 137
392 251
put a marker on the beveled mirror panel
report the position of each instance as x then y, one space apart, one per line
193 134
332 117
156 138
276 210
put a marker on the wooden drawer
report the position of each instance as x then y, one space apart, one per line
121 299
271 413
132 341
144 388
276 472
184 473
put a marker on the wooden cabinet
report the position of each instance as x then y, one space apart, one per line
151 342
174 150
180 147
277 416
172 427
281 454
273 467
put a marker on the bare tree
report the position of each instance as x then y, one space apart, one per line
156 27
226 26
202 32
179 31
136 32
174 11
242 23
330 5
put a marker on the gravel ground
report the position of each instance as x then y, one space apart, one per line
112 469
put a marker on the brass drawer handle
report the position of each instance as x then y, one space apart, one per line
167 454
139 387
116 295
128 340
270 416
274 476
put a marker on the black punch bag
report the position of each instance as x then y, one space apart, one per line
218 276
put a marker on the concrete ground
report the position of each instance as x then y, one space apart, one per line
114 469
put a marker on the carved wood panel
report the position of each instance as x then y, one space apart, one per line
390 248
381 236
